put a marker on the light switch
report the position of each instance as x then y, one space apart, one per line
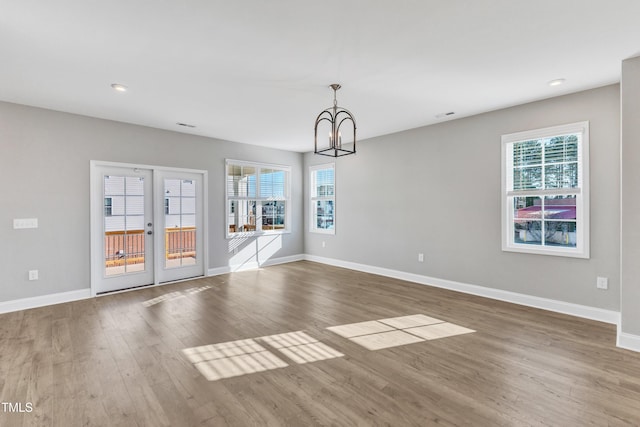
21 223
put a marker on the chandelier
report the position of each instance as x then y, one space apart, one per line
335 116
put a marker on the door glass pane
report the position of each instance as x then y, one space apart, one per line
180 222
123 224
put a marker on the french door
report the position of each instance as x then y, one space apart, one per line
147 226
180 245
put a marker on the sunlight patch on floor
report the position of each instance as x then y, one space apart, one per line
385 340
440 330
248 356
174 295
398 331
162 298
235 358
232 359
300 347
363 328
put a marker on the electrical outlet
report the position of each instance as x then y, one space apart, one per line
33 274
420 257
323 244
602 283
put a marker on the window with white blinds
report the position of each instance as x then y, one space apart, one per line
545 182
323 198
257 198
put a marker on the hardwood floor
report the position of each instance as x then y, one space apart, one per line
123 359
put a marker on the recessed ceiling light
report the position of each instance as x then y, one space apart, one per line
118 87
557 82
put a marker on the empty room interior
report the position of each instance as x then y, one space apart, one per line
346 213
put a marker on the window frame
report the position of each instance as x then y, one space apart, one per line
259 200
581 191
313 198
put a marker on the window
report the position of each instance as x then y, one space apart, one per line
545 197
108 206
257 198
323 198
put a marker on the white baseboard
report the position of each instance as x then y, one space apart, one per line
254 264
624 340
628 341
51 299
593 313
43 300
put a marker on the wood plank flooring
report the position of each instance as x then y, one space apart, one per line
118 360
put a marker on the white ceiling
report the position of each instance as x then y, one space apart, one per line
255 71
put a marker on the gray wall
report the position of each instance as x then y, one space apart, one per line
630 261
436 190
44 171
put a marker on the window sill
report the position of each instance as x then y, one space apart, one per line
244 234
322 231
547 250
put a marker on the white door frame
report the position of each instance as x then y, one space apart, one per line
96 215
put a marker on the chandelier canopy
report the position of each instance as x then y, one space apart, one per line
335 117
